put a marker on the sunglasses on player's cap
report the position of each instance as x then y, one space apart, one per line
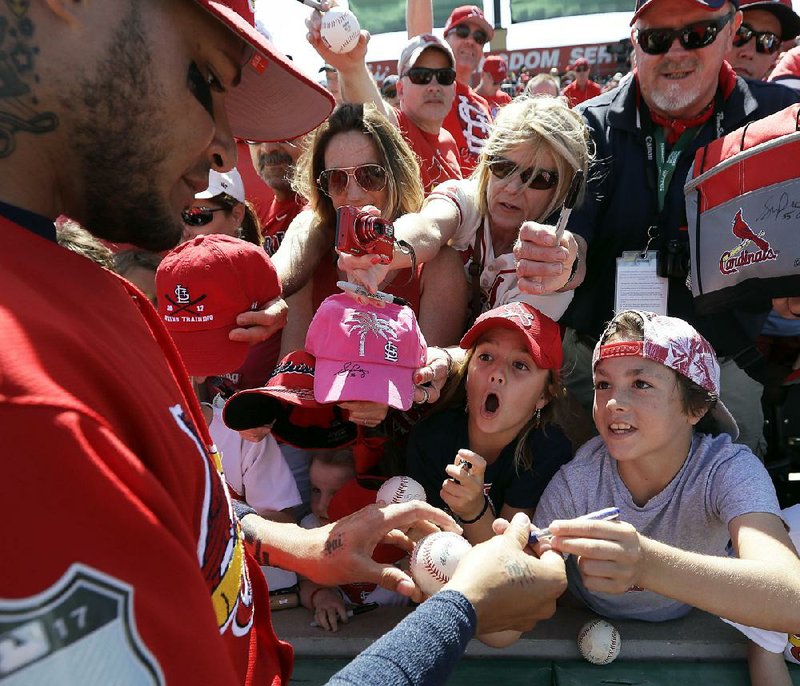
274 100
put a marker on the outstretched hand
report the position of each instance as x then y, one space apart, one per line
544 263
345 547
509 588
258 325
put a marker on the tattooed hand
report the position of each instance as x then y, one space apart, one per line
509 588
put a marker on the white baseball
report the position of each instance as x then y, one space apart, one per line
400 489
599 642
435 559
339 30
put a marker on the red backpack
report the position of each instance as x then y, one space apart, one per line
743 211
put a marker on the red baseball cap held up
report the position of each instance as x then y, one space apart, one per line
465 13
202 285
542 335
274 101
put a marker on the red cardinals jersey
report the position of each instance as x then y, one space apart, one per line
470 122
437 154
122 561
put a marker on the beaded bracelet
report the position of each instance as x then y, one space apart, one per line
449 359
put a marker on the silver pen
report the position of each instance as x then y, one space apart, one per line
604 514
569 203
377 295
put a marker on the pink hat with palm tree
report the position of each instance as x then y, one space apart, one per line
365 352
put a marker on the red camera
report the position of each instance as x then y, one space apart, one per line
362 232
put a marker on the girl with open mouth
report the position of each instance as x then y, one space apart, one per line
495 445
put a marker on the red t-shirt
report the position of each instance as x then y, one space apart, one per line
577 95
469 121
496 101
437 154
122 556
276 219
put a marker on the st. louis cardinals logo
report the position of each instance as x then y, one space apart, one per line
516 311
739 257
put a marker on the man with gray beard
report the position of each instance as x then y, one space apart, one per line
274 163
646 132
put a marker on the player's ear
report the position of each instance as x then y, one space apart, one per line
66 10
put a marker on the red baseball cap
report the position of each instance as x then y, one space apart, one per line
202 285
710 5
287 402
677 345
782 9
496 66
274 100
465 13
541 333
581 62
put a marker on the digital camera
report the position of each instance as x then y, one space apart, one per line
673 260
360 232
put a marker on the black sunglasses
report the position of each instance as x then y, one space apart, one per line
421 76
200 216
371 178
766 42
543 180
691 37
478 35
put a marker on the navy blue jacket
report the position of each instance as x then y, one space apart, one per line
621 204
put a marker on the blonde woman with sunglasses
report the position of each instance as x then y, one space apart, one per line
525 170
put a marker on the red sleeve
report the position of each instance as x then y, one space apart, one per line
105 564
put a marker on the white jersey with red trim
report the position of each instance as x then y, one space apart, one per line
499 274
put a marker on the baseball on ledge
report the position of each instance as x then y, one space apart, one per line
339 30
400 489
435 559
599 642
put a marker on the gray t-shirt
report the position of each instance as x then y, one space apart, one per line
719 481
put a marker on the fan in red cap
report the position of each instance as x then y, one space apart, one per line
469 121
582 88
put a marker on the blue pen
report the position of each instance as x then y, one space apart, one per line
605 514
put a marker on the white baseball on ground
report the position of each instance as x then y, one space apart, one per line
400 489
599 642
339 30
435 559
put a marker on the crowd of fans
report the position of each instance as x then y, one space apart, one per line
508 350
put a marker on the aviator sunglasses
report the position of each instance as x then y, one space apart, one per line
542 180
478 35
691 37
200 216
421 76
371 177
766 42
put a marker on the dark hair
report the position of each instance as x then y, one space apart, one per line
250 226
695 399
125 260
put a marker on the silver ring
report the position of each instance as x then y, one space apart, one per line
427 395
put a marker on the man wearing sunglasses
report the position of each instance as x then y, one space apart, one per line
582 88
466 31
757 43
646 132
123 560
